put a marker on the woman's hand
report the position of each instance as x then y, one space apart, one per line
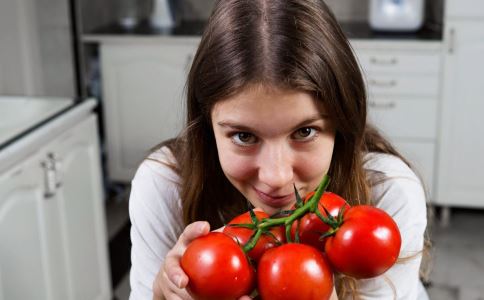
171 281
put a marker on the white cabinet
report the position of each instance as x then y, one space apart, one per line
143 86
461 160
23 251
52 228
403 82
464 9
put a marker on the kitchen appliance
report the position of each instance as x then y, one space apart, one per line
396 15
164 14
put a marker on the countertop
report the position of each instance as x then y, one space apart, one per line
19 115
26 123
194 29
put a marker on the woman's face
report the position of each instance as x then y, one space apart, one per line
269 139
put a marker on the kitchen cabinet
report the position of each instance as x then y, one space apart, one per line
403 82
52 227
466 9
143 96
461 163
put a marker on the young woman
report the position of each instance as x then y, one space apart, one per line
275 97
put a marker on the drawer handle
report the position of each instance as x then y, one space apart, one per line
383 83
384 62
387 105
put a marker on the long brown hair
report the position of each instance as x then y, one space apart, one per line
288 44
295 44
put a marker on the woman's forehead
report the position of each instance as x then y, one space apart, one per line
270 99
268 109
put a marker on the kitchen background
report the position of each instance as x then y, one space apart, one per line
87 87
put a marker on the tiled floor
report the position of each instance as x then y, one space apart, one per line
457 259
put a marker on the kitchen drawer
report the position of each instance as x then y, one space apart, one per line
400 85
422 157
414 118
397 62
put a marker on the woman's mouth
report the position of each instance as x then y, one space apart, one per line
275 200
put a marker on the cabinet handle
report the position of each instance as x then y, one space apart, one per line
56 167
384 62
383 83
49 179
386 106
451 48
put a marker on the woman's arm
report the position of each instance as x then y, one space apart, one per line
401 196
156 223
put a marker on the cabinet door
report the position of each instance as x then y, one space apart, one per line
24 263
461 161
143 99
80 198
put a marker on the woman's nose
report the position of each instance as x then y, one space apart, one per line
276 166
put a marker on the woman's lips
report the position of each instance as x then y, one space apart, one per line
276 201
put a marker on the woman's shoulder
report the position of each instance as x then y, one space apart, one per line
156 180
389 166
159 165
396 188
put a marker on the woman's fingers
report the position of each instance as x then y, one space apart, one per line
175 292
172 261
174 272
191 232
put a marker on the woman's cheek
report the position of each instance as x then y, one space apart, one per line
236 166
313 165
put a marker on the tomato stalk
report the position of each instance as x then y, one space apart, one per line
309 207
332 222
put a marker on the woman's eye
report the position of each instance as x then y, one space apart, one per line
305 133
244 138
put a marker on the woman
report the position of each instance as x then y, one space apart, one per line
274 97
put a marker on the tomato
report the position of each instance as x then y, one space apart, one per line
366 244
294 271
217 268
311 227
265 242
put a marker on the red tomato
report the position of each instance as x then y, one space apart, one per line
311 227
366 244
294 271
265 242
217 268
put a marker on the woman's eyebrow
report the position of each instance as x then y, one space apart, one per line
239 127
310 121
235 126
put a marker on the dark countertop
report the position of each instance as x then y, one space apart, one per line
144 28
354 30
362 30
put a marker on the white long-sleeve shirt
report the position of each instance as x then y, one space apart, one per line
156 217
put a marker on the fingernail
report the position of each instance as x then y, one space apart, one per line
203 227
177 280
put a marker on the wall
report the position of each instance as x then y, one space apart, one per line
35 48
55 47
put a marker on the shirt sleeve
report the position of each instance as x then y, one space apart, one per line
402 196
156 223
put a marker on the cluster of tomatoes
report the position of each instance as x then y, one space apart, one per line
292 256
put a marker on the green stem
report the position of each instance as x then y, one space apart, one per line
252 242
309 206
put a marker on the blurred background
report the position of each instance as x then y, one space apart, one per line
88 87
